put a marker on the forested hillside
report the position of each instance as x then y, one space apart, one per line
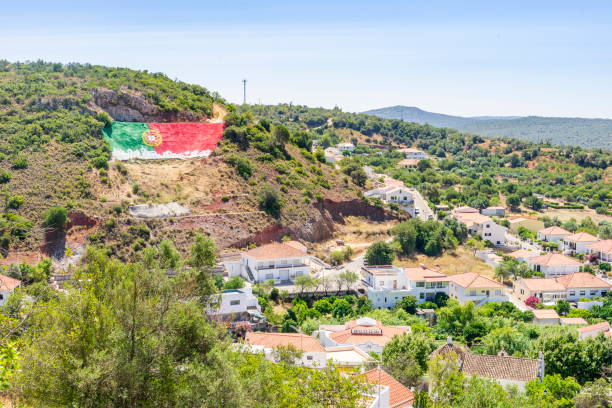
586 133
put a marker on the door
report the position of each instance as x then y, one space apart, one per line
284 274
487 293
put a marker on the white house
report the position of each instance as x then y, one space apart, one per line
497 211
238 302
408 163
365 333
577 243
333 155
603 250
7 285
545 317
279 262
401 195
346 147
573 287
386 285
553 234
426 282
412 153
473 287
481 225
313 353
554 264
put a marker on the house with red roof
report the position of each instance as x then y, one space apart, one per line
577 243
473 287
313 353
365 333
572 287
7 286
603 250
593 330
388 392
553 234
554 264
279 262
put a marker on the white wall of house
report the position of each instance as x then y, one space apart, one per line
551 238
575 247
575 294
493 211
279 269
309 359
416 155
602 256
478 295
237 301
490 231
553 270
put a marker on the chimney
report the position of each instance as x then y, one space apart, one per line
437 268
541 365
503 352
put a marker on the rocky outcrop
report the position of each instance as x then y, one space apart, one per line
131 106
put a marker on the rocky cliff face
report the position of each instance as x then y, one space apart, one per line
132 106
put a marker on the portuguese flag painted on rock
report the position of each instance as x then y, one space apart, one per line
135 140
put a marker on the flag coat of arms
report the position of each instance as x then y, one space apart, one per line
136 140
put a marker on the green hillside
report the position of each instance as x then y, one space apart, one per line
587 133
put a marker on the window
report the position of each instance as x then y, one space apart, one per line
234 302
522 292
269 276
582 292
572 293
593 293
422 296
472 293
420 284
497 292
308 357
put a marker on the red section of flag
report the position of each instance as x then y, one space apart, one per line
187 138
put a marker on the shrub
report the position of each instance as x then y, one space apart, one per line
242 164
270 201
5 176
225 199
55 217
20 162
234 283
337 257
100 162
604 266
14 202
532 301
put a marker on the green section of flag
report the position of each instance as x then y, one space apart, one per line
126 137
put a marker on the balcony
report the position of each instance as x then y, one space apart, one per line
283 266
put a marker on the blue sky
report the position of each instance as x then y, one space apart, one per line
460 57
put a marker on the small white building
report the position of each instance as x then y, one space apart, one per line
333 155
553 234
426 283
577 243
545 317
481 225
392 194
237 302
412 153
280 262
603 250
554 264
346 147
497 211
473 287
593 330
7 286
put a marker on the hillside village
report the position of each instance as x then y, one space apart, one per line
390 260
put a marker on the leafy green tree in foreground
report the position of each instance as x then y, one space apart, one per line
379 253
405 357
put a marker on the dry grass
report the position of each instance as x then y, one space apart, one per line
451 263
565 214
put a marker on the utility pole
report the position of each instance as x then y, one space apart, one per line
244 81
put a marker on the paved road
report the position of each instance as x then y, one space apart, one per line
420 203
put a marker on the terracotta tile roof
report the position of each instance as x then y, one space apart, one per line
545 314
465 210
554 260
274 340
554 230
7 283
472 218
523 253
399 396
448 347
542 284
603 326
474 280
581 237
296 245
419 273
582 280
500 367
495 208
573 320
365 330
273 251
602 246
410 150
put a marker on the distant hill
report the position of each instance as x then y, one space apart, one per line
588 133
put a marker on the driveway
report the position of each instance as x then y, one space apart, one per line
420 203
